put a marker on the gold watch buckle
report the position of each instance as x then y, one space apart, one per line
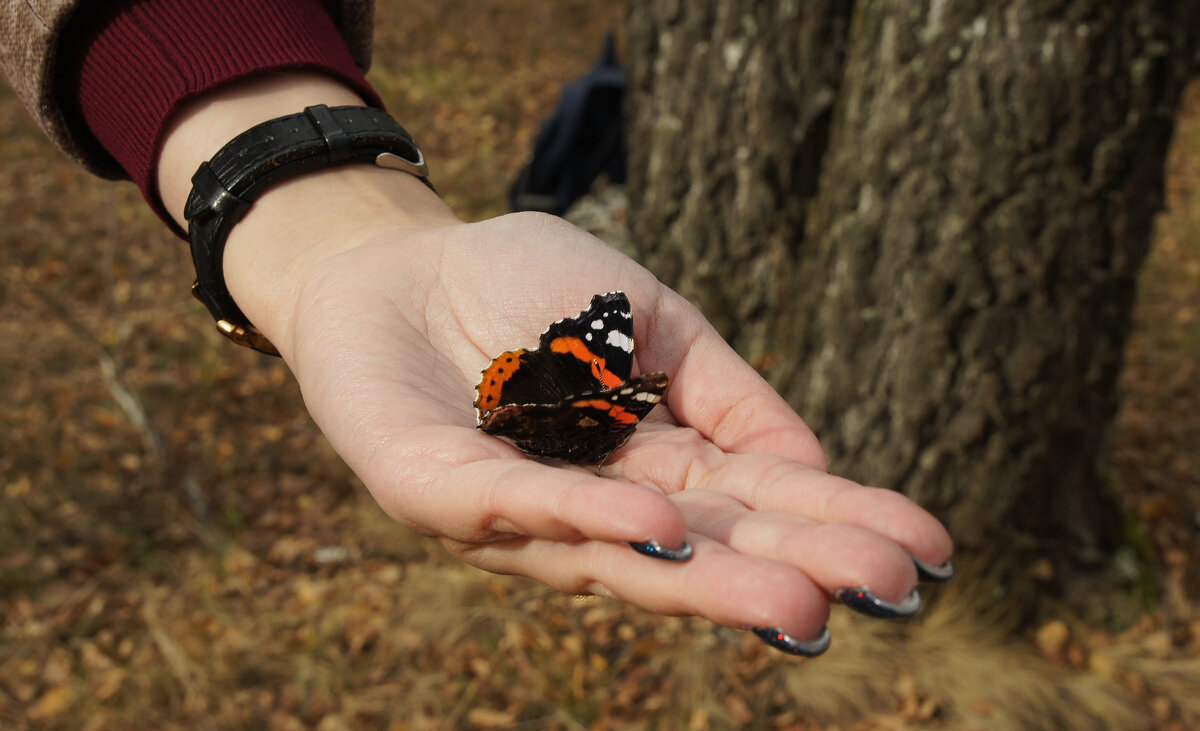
246 335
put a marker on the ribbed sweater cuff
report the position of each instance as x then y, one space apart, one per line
125 66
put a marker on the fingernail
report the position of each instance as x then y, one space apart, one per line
781 640
863 601
929 572
654 549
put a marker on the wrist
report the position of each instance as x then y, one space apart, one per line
295 222
296 227
202 126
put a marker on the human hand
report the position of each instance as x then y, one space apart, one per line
386 308
387 337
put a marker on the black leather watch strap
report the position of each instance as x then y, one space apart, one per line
224 187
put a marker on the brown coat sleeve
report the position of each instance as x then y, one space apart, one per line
29 33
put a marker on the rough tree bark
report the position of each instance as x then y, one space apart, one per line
924 221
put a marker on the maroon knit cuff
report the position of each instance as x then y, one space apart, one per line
126 65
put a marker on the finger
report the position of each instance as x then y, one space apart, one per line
714 391
837 556
726 587
682 461
500 491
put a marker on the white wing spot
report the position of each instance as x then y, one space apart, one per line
597 324
620 340
588 337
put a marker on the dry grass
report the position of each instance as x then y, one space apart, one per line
179 547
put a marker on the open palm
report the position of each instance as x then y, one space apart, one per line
388 343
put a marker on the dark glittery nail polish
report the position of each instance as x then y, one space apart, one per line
781 640
654 549
861 600
929 572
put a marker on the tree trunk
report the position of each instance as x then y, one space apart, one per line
729 106
924 222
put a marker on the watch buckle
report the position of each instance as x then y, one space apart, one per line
395 162
246 335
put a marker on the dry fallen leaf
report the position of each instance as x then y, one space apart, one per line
1052 638
489 718
108 683
52 703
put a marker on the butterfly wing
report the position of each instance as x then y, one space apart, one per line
575 355
572 397
601 335
584 429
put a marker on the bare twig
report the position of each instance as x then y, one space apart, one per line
120 391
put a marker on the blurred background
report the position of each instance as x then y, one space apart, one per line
180 548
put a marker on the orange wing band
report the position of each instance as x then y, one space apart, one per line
618 413
579 349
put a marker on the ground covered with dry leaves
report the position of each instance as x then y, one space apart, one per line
179 547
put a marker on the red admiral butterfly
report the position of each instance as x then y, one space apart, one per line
571 398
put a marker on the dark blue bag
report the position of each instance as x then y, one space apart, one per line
581 140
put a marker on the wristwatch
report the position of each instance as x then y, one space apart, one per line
224 188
